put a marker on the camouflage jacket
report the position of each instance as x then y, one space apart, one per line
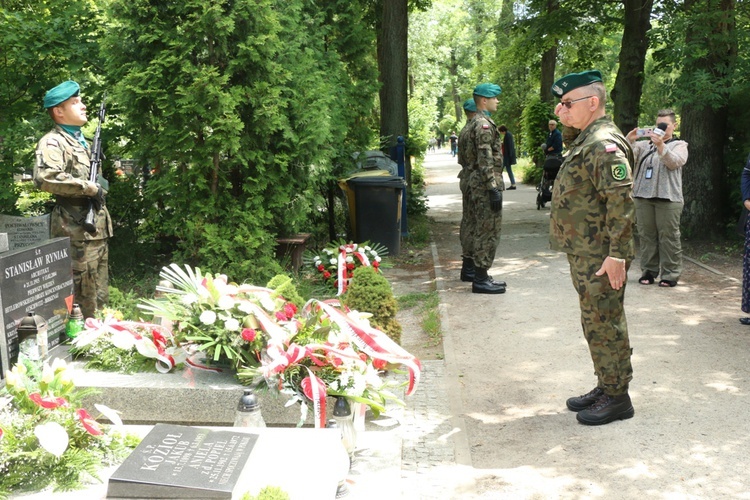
463 150
482 150
592 210
62 169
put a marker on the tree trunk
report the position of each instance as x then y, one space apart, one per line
549 58
393 66
704 127
626 94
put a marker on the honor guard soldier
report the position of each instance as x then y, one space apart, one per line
63 168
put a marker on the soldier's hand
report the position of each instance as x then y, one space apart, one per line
496 200
616 271
100 199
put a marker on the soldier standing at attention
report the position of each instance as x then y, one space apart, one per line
481 153
464 234
63 169
592 217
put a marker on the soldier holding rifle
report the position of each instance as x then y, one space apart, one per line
67 167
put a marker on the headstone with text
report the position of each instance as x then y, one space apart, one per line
175 461
37 279
24 232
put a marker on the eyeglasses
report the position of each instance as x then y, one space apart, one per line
569 104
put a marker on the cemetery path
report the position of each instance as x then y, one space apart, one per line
511 361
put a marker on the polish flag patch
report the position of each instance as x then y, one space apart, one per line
485 125
610 148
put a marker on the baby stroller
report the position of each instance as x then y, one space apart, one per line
549 173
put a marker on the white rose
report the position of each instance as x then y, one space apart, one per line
189 298
232 325
349 259
333 262
208 317
377 259
226 302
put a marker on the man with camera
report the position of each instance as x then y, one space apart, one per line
657 192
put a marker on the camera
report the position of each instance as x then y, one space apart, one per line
643 132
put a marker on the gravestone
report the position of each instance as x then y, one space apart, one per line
4 242
24 232
37 279
175 461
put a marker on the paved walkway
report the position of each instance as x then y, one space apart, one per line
488 421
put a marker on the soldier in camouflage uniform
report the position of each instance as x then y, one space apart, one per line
465 231
480 153
63 169
592 216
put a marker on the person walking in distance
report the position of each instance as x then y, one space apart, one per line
454 143
509 154
485 200
591 220
63 169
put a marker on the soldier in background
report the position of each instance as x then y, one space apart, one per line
464 234
63 169
593 224
480 155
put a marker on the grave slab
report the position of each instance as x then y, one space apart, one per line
36 279
24 232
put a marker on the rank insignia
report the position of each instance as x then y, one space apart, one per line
619 172
610 148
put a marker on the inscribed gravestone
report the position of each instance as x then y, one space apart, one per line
24 232
175 461
37 279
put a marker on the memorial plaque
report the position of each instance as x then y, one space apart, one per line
175 461
37 279
24 232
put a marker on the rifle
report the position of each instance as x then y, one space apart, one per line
89 222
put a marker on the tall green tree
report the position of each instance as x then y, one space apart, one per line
626 93
228 101
42 43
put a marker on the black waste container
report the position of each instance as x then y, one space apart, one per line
377 210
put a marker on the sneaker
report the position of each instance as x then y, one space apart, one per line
583 402
512 186
607 409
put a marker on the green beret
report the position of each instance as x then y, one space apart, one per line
470 106
575 80
61 93
487 90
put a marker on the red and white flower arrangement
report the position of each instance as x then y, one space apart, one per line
337 262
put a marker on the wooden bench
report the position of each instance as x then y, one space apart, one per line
292 246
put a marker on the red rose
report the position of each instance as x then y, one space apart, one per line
280 316
376 264
248 334
321 268
326 275
363 356
379 364
350 266
290 310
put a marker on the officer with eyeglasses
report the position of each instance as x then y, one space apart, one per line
592 216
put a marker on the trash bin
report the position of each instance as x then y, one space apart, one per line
349 192
377 210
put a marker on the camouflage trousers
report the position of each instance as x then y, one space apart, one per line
467 244
483 225
90 259
604 325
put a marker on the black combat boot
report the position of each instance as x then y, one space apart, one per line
484 284
607 409
583 402
467 270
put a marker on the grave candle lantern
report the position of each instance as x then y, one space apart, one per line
32 337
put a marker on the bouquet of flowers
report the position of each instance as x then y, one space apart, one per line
330 352
127 346
46 438
336 263
222 319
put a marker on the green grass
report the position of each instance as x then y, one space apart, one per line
427 304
